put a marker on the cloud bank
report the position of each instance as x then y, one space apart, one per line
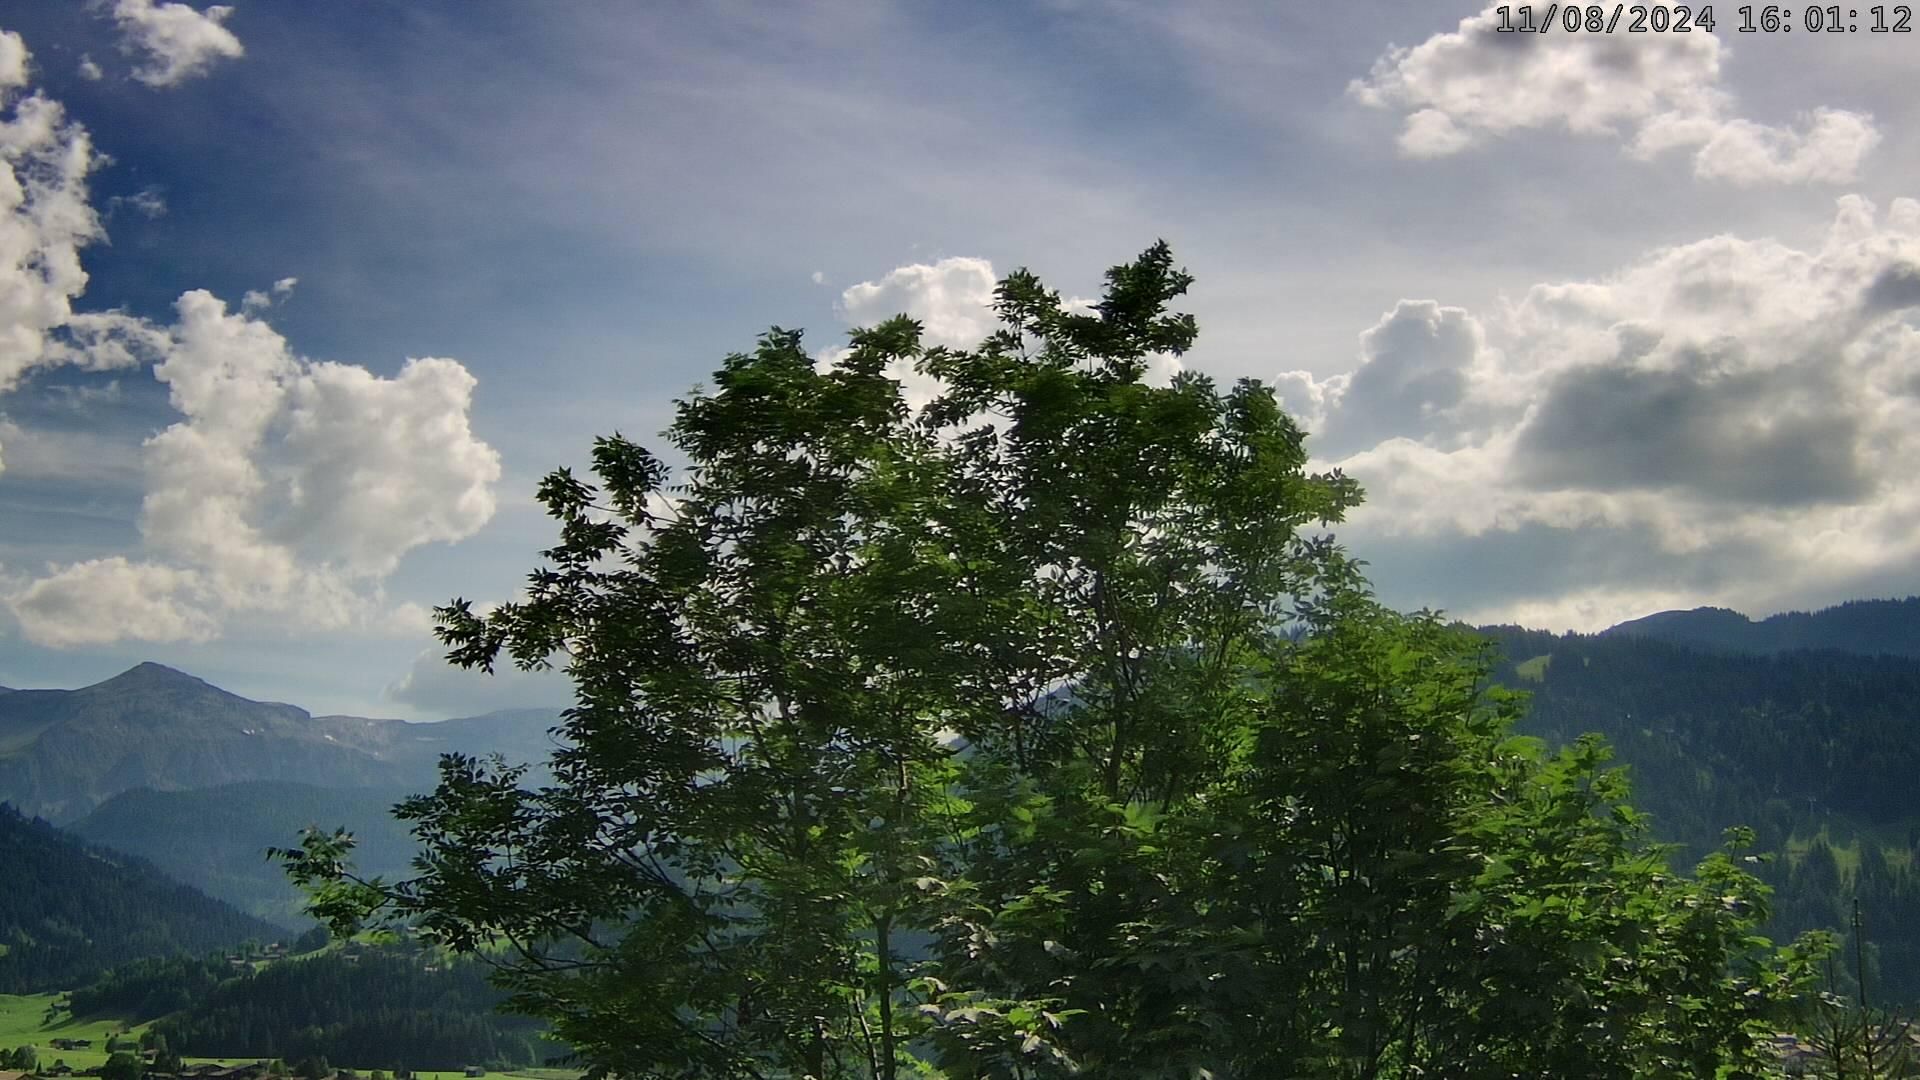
1740 415
1656 92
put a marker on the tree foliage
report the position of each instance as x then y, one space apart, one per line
1035 732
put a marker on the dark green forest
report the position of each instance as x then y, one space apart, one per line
70 910
1815 750
395 1007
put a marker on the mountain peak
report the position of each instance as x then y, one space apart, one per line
149 676
1867 627
1717 616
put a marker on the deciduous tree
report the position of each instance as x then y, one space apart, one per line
1038 731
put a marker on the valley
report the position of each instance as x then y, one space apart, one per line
157 785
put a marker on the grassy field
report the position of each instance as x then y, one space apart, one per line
25 1021
1535 669
1846 850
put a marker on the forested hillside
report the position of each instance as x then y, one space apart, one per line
1866 627
387 1008
216 837
69 910
1817 751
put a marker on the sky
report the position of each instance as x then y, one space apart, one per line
299 301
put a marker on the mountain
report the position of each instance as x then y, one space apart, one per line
217 837
1816 750
69 910
1869 627
64 752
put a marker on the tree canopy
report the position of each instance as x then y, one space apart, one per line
1041 730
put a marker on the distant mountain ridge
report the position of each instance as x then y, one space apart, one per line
69 910
217 837
64 752
1815 748
1866 627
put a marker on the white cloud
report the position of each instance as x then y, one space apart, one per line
258 300
45 220
379 466
104 600
13 60
293 486
179 42
1737 405
1657 92
1413 374
290 488
90 70
953 299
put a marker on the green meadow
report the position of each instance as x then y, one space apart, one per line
38 1019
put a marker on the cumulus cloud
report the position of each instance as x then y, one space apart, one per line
1415 364
13 60
45 221
1732 403
289 488
1656 92
103 600
89 69
179 43
952 298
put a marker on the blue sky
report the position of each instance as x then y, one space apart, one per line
297 302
